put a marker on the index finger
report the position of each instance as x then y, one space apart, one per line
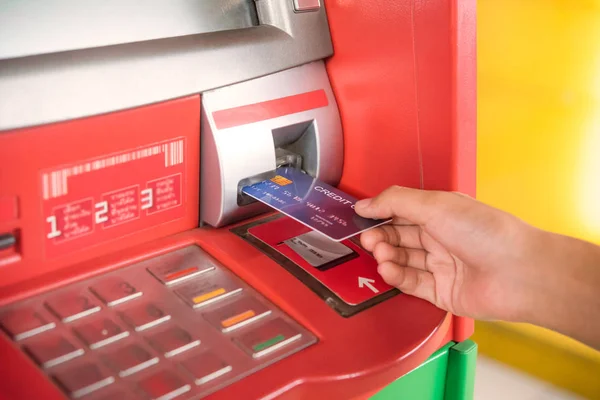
398 236
413 205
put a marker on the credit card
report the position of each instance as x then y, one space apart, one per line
313 203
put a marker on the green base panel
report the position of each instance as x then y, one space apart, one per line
448 374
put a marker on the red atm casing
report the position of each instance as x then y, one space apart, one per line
404 79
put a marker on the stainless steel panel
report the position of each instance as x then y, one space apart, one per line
72 84
31 27
231 155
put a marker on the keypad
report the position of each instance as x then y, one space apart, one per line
178 326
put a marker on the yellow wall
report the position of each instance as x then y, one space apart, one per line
539 149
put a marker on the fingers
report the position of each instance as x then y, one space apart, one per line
397 202
411 281
414 258
402 236
415 205
370 238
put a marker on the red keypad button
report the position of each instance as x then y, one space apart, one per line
24 323
164 385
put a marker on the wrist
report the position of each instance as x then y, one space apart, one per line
563 288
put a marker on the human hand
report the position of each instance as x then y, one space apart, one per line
455 252
474 260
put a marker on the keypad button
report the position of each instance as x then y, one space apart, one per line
204 292
52 349
170 274
267 338
237 314
113 291
24 323
164 385
113 394
172 341
206 367
83 379
144 316
130 359
71 306
100 332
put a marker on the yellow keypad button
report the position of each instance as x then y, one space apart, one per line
204 292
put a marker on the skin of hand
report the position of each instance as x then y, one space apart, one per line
474 260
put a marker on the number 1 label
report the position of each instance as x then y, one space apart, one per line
54 232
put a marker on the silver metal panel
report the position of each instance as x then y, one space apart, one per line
61 86
32 27
233 154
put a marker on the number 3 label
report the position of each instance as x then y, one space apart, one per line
147 200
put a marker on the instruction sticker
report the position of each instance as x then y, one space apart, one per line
104 198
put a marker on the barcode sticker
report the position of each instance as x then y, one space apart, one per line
55 183
103 198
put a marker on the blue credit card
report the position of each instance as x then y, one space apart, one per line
315 204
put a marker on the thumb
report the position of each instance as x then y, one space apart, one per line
414 205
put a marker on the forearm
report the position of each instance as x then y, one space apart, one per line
568 289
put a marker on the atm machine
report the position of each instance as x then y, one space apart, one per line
131 264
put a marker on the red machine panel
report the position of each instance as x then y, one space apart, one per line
404 75
74 190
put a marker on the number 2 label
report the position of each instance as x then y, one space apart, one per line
101 211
